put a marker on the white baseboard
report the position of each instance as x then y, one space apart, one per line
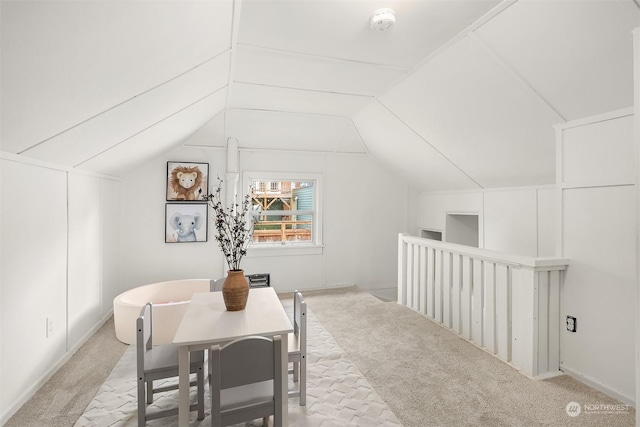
548 375
281 291
14 407
599 386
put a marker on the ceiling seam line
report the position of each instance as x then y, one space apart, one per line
598 118
290 150
332 58
344 133
224 126
121 103
305 89
504 64
221 112
429 144
235 28
364 144
150 126
285 112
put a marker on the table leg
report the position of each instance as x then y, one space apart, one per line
183 386
284 340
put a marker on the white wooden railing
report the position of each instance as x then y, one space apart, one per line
506 304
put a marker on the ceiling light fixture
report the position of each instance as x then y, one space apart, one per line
383 19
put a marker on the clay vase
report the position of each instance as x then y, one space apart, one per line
235 290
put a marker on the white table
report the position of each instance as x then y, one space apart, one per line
207 322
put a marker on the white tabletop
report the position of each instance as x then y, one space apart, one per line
207 321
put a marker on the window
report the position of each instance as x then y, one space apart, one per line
285 210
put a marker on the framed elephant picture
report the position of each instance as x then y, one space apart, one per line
187 181
186 222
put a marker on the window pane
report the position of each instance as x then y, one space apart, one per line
284 211
276 228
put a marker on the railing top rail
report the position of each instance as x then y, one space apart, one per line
281 222
516 261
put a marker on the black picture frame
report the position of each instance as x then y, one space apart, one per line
187 181
186 222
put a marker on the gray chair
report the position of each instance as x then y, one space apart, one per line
298 348
160 362
246 381
215 285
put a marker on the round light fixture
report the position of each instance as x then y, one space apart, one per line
383 19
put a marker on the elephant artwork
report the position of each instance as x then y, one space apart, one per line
186 226
184 223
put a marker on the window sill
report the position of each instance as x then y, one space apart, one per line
283 250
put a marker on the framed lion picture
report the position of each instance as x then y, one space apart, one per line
187 181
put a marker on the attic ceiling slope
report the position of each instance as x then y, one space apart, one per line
122 122
466 91
271 130
295 71
122 159
576 54
398 148
481 118
340 29
272 98
314 64
211 134
68 65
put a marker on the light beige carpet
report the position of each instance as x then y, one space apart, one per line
337 393
425 374
429 376
65 396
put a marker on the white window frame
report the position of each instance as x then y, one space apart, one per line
315 246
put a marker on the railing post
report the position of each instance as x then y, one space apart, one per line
508 304
402 256
524 295
536 313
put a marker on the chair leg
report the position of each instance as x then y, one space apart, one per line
303 380
141 403
296 371
200 376
149 391
265 421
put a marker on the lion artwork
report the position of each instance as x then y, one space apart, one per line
186 182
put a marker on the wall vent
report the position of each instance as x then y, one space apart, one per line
261 280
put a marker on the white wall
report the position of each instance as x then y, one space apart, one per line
364 209
599 237
513 220
433 208
84 246
594 226
52 263
146 258
636 67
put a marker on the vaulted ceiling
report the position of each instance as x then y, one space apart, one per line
456 95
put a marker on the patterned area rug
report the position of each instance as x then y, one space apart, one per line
337 392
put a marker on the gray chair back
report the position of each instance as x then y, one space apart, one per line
216 285
246 362
162 363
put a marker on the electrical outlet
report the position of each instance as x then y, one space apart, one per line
49 327
572 324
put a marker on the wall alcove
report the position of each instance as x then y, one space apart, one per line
462 228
